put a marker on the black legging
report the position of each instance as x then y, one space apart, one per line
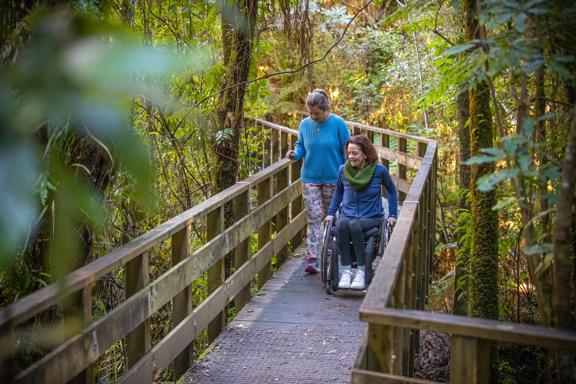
352 229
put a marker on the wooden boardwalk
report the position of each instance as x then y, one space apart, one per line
290 332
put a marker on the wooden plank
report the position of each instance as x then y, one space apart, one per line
402 147
380 353
85 348
44 298
277 127
282 217
139 340
297 205
81 310
264 193
161 355
401 185
242 251
361 376
275 146
182 302
215 226
387 274
386 147
270 171
418 139
500 331
405 159
469 361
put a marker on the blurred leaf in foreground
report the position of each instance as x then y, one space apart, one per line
76 76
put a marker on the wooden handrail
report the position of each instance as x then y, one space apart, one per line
472 327
393 306
44 298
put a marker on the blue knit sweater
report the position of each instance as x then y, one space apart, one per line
323 147
368 201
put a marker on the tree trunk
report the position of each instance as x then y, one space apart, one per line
562 287
231 101
484 252
463 252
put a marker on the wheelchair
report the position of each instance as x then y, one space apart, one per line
375 241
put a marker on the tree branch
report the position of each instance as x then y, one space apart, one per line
291 71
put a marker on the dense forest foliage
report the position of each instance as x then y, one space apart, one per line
116 115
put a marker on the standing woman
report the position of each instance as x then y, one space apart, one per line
322 139
359 191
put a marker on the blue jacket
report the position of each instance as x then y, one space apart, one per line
367 202
323 147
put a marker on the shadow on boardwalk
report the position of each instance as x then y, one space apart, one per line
290 332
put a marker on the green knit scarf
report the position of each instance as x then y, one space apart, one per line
359 179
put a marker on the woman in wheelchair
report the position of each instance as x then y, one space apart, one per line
358 194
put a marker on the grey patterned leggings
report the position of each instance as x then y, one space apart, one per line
317 198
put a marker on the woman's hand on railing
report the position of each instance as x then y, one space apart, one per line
290 154
328 218
392 221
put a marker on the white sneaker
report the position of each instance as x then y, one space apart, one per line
358 282
345 279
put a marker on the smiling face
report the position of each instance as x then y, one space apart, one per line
317 114
356 157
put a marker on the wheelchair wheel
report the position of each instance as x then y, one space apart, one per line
334 269
384 236
327 245
368 268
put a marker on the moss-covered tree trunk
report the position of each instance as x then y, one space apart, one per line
484 250
463 252
237 39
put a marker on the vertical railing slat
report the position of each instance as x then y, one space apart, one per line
469 361
264 191
297 204
182 303
138 341
215 225
402 147
242 251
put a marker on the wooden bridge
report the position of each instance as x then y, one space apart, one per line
386 322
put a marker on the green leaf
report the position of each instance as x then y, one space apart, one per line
520 22
458 49
493 151
537 249
504 203
555 67
475 160
524 161
528 127
18 173
487 182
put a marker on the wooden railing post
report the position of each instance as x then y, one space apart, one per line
264 192
80 315
215 225
182 303
297 204
242 251
380 354
267 150
402 147
275 144
469 361
386 144
282 217
139 340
